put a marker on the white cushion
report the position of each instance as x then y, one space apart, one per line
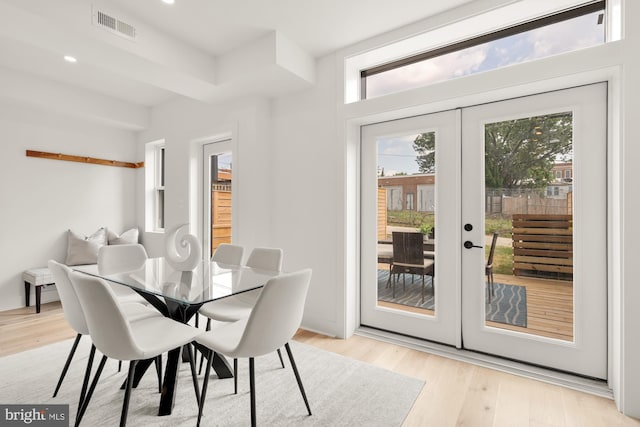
126 238
38 276
83 249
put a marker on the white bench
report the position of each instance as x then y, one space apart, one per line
37 277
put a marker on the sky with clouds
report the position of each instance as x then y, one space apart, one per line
553 39
396 154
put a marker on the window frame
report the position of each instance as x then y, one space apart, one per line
159 187
575 12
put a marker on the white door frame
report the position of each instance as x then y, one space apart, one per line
444 326
587 355
367 229
208 150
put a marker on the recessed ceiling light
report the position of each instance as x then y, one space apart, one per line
169 1
70 58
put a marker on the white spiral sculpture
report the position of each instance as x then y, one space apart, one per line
175 257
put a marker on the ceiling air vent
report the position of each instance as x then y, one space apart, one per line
114 25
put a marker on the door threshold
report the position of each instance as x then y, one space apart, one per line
563 379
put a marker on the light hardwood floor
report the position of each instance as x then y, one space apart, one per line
455 393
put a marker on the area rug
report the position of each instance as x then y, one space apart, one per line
341 391
508 305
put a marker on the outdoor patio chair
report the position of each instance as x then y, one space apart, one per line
408 257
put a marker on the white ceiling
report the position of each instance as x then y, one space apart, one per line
203 49
317 26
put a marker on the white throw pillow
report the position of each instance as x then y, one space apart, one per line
126 238
83 249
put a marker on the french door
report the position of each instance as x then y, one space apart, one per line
217 195
530 171
391 176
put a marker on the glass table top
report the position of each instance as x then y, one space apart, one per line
207 282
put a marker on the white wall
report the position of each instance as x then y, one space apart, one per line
40 199
184 125
626 212
307 190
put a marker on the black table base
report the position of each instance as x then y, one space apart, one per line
181 313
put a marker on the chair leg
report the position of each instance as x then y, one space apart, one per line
67 363
158 362
85 403
194 375
119 365
422 300
393 286
197 320
252 390
202 356
297 374
87 374
235 376
205 383
389 278
127 393
280 356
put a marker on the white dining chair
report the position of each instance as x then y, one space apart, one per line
114 259
74 315
239 306
227 253
274 320
117 337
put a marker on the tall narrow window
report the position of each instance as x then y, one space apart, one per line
154 181
159 191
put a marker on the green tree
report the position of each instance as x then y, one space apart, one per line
425 147
518 153
521 153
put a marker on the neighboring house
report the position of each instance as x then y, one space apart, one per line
562 184
409 192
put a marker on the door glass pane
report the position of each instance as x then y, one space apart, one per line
406 222
220 199
529 210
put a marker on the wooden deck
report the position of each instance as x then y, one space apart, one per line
549 306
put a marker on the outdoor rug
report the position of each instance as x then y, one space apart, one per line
508 305
341 391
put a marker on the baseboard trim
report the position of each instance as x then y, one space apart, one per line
574 382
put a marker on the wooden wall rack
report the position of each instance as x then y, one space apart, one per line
82 159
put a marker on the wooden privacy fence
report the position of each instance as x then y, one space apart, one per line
220 217
537 205
543 246
382 213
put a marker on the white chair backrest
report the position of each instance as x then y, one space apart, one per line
276 316
266 259
70 302
114 259
228 254
109 329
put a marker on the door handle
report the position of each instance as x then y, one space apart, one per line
469 244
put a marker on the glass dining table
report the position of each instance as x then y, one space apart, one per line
179 295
